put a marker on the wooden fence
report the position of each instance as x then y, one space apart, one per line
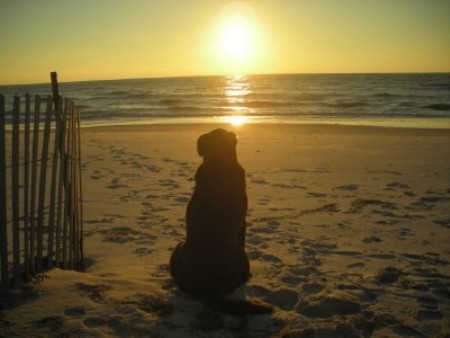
41 216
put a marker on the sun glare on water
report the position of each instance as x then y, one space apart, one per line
236 120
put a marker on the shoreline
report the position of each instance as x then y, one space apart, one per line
400 123
292 127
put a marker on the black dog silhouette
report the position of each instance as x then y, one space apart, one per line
212 262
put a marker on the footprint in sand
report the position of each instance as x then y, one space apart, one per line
429 309
304 271
182 199
123 234
312 288
291 280
259 181
320 247
254 239
273 260
382 256
389 275
402 233
75 311
162 270
54 322
147 216
285 299
151 206
396 173
348 187
208 320
359 204
95 292
152 168
258 255
108 220
316 194
396 185
254 254
356 265
264 201
429 315
443 222
272 225
96 175
309 257
289 186
329 306
171 184
168 284
152 304
143 251
94 322
372 239
115 184
387 222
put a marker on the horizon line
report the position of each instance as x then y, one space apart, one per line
225 75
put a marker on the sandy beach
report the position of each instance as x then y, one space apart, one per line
348 236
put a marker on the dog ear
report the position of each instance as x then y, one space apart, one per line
217 144
202 145
209 144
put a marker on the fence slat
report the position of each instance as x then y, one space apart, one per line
80 190
71 190
36 121
26 180
42 184
59 215
51 221
3 215
66 185
75 205
15 190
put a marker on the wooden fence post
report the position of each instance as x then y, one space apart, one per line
66 185
42 185
15 190
53 205
3 215
55 91
37 110
80 190
71 190
62 115
26 194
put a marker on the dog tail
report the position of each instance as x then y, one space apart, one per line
239 306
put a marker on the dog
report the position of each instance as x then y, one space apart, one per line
212 261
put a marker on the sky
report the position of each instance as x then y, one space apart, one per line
117 39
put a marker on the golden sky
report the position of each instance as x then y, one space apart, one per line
113 39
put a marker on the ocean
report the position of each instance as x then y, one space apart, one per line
404 100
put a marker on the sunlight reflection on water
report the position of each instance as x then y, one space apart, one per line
236 120
237 88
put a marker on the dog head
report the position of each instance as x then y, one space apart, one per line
217 145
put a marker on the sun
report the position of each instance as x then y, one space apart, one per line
236 44
236 39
